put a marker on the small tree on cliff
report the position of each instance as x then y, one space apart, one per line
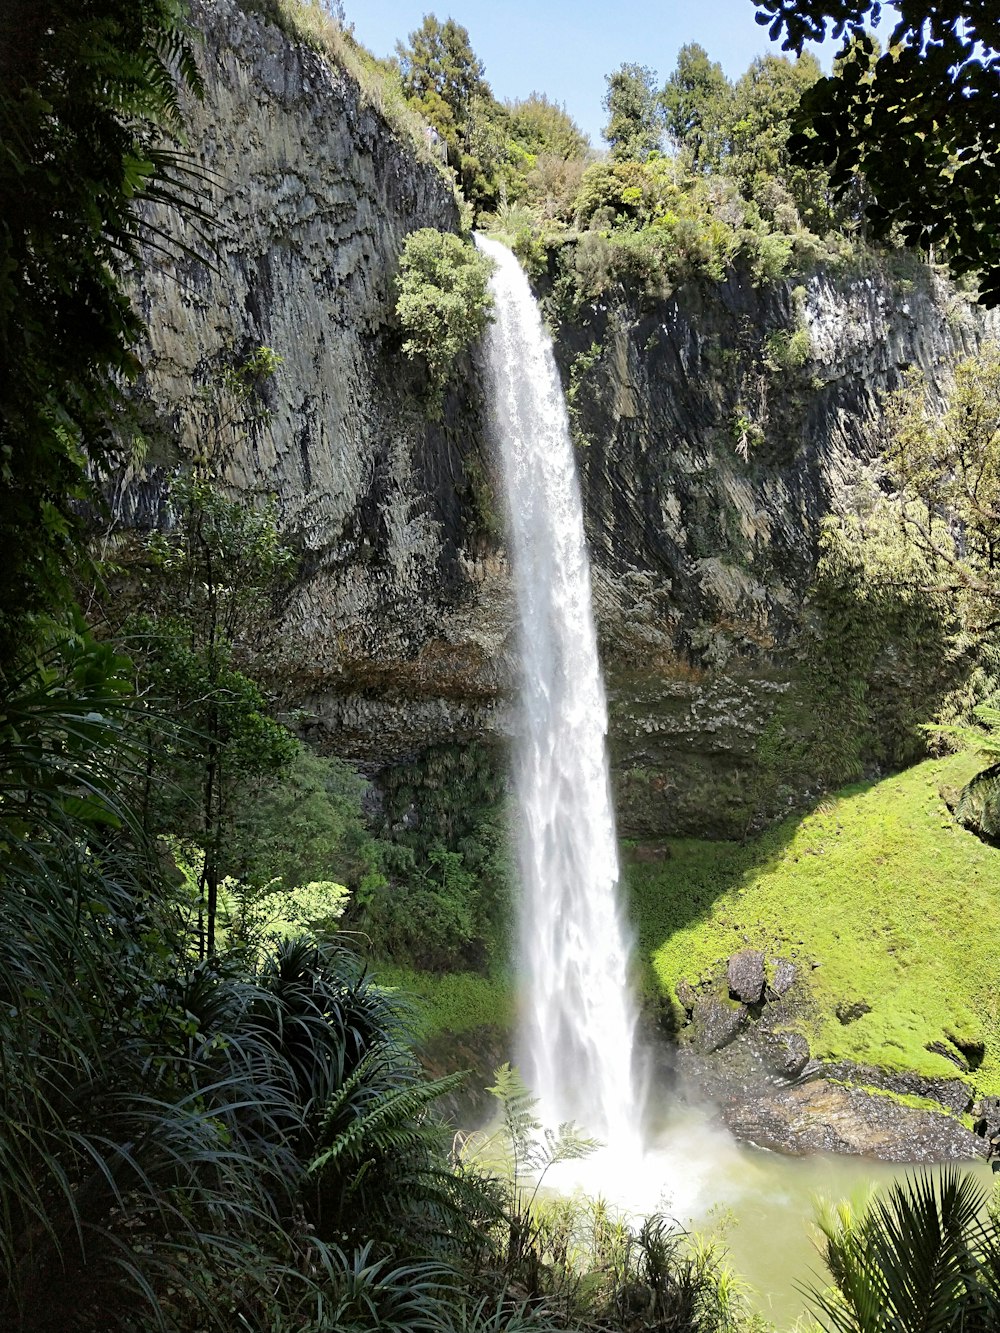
444 301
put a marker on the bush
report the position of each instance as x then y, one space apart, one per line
444 303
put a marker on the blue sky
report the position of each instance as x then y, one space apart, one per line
564 48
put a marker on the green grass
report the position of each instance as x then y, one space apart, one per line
877 895
450 1001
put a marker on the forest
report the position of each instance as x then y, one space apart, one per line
247 960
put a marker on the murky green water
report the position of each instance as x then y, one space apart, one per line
761 1202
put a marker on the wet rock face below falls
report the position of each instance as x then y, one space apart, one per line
705 469
740 1049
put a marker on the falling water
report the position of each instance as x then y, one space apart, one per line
578 1021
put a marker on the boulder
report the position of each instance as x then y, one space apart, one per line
745 973
786 1054
687 995
717 1022
783 977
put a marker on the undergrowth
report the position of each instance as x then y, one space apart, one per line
451 1001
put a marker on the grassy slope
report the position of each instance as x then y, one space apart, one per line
896 904
879 887
450 1002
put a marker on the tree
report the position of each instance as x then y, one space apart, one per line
761 108
543 127
86 95
635 117
947 470
917 121
694 102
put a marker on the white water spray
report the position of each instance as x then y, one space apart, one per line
578 1023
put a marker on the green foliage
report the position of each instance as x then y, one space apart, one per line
444 81
635 118
444 301
880 654
87 98
787 349
532 1147
303 824
444 899
921 1256
694 100
157 1118
543 128
885 863
914 121
452 1002
424 911
758 131
207 586
947 469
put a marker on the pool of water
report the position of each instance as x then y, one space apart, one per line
762 1203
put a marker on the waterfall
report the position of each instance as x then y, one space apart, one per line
578 1019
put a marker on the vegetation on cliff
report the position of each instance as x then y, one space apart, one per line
443 302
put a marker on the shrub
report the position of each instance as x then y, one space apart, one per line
444 302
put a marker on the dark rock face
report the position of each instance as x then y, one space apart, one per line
708 470
707 473
745 974
717 1022
395 634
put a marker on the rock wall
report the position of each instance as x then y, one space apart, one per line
395 633
719 427
711 452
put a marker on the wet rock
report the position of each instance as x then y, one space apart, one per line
745 974
783 977
951 1093
717 1022
986 1122
827 1117
786 1053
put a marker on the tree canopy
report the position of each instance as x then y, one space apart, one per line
635 117
918 120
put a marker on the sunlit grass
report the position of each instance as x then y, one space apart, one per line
878 896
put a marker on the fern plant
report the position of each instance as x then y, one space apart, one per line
922 1258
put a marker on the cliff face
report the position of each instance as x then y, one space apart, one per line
393 635
722 424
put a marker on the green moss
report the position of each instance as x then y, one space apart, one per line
451 1001
877 894
910 1099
